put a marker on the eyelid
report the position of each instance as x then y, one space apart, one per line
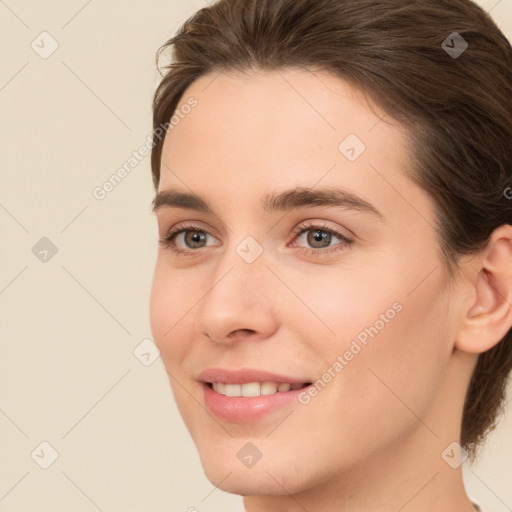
187 226
342 233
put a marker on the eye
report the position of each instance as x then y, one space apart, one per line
320 238
191 236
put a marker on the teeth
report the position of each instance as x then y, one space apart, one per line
254 388
233 390
268 388
251 389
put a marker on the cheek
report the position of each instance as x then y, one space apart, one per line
170 303
160 305
403 371
394 340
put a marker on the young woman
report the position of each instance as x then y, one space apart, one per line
333 288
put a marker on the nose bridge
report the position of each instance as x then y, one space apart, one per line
242 264
238 295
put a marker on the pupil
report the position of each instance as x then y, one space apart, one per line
319 236
195 237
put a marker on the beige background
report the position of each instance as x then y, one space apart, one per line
70 324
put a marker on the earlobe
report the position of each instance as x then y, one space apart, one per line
489 318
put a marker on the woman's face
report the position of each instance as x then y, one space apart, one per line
357 304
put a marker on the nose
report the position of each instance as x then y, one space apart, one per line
238 302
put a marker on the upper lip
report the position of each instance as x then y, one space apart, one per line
245 375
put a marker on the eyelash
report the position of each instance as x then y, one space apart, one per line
168 240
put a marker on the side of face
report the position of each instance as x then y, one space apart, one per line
378 306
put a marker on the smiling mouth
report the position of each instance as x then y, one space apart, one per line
252 389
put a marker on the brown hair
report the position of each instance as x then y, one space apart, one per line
457 110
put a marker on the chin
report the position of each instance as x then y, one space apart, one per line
272 476
249 482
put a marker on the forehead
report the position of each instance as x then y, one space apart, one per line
250 134
274 120
275 112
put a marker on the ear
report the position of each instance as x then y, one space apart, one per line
489 316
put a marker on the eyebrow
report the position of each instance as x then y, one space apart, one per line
287 200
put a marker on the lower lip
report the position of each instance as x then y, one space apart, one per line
244 409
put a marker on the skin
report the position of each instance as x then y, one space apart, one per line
372 439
